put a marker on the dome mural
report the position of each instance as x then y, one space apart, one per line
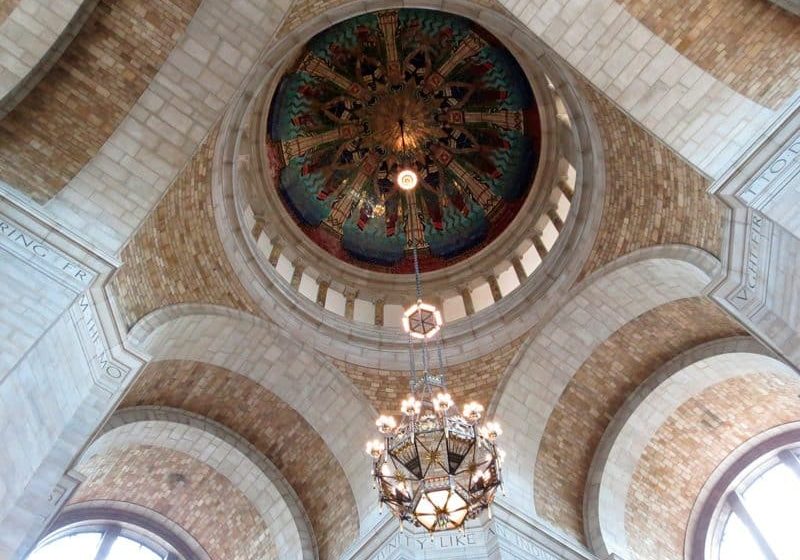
409 88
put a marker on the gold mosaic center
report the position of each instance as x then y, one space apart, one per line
385 116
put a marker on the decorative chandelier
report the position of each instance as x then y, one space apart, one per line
437 467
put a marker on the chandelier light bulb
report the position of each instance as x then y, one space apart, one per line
491 431
442 402
375 448
385 424
407 179
473 411
410 406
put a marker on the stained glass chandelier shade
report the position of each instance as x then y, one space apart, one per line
471 136
438 468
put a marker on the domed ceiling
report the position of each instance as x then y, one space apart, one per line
399 89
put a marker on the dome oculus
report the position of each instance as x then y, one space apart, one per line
389 98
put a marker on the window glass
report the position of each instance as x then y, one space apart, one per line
773 501
128 549
737 542
79 546
86 546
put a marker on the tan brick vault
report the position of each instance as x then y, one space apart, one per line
70 114
653 197
475 380
599 388
187 492
689 446
177 256
751 45
272 426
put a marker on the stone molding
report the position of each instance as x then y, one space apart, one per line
114 512
756 286
791 6
116 190
697 115
705 511
288 367
82 318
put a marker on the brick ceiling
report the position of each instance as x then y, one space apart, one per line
653 197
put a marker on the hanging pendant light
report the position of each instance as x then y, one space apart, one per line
436 467
406 177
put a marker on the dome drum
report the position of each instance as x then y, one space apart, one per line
481 286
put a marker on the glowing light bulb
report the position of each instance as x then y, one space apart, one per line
491 431
410 406
385 424
473 411
442 402
407 179
375 448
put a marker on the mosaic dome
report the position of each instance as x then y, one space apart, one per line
398 89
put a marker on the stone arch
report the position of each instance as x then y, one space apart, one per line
271 426
36 52
599 388
183 489
643 413
705 511
260 351
232 456
593 310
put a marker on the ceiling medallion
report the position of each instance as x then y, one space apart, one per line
397 100
437 468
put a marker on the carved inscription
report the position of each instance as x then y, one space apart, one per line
520 543
100 355
421 545
755 262
775 168
43 252
410 542
56 494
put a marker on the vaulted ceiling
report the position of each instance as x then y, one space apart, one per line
122 138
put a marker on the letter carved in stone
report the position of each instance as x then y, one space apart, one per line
751 292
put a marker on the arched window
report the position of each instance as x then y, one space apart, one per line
758 518
102 542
